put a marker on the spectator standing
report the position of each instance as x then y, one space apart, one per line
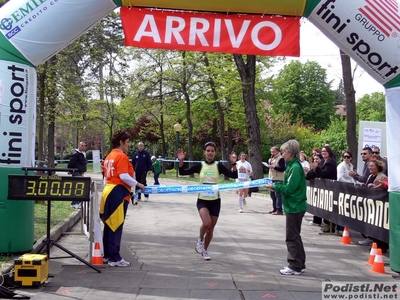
141 162
277 168
376 154
78 161
325 169
376 168
315 151
343 175
366 155
374 180
304 162
156 169
245 170
293 190
345 167
116 197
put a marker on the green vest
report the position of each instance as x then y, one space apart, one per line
209 175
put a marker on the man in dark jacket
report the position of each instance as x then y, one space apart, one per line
141 161
78 161
366 155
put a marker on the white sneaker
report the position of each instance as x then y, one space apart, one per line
302 270
314 224
240 210
146 199
121 263
206 255
199 246
366 242
289 271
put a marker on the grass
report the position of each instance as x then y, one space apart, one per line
60 210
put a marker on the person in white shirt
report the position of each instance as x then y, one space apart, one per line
244 172
345 167
304 162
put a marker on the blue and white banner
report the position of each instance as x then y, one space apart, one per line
187 189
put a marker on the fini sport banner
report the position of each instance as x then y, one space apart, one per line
17 114
368 31
227 33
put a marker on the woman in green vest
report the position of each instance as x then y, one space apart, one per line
208 203
293 191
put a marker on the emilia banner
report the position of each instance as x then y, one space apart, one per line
227 33
359 208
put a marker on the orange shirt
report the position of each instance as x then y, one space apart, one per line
116 163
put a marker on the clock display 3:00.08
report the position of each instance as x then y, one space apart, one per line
55 188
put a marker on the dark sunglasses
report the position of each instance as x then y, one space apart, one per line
375 152
346 156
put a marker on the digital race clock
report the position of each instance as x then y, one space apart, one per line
48 187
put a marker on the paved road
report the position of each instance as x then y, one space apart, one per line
247 252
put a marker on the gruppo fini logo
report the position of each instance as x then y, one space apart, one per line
363 41
384 14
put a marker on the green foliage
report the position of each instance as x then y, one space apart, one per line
60 210
335 136
371 107
282 129
302 90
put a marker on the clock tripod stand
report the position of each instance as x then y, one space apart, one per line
47 242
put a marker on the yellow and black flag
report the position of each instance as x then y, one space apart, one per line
112 205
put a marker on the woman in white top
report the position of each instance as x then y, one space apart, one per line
244 172
304 162
345 167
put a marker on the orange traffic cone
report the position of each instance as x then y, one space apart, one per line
345 237
378 266
372 254
96 256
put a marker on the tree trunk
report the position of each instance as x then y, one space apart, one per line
52 102
247 73
41 88
220 114
350 106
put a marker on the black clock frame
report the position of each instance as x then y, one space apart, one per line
48 187
48 175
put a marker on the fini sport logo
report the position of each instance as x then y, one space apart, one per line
384 14
381 18
338 17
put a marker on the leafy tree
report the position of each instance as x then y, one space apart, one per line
106 66
371 107
335 136
303 91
